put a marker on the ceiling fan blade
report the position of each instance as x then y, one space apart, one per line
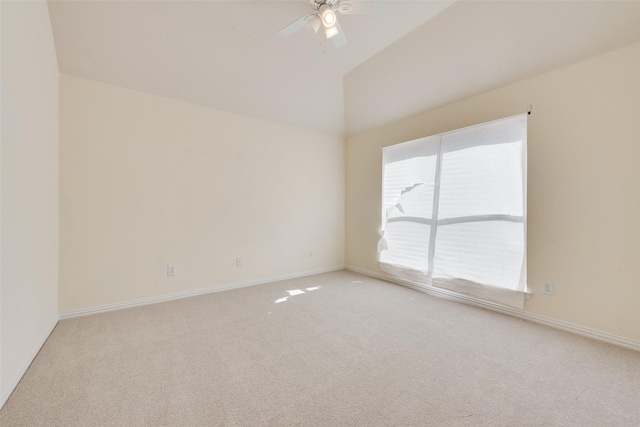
351 7
296 25
339 39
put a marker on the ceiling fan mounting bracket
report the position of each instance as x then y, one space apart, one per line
316 4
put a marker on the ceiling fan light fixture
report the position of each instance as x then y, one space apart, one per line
331 31
315 23
328 16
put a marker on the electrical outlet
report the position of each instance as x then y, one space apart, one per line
171 270
547 288
310 254
238 262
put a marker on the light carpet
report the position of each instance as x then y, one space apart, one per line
342 349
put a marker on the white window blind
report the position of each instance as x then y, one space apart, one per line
454 211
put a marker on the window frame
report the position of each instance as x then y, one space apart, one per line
434 222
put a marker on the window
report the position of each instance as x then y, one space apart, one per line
454 211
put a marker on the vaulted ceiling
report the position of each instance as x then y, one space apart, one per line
227 55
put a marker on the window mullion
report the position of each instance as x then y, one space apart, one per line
434 212
481 218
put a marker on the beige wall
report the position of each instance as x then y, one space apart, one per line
29 193
583 184
146 182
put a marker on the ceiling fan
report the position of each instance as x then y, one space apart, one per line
324 14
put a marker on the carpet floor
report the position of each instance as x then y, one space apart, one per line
336 349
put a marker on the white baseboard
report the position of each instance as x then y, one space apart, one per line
187 294
27 362
558 324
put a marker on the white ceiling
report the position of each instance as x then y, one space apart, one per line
474 47
227 55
